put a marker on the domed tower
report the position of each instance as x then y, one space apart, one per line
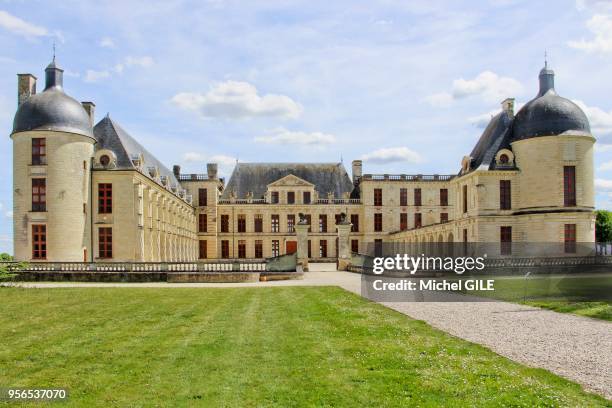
53 144
553 148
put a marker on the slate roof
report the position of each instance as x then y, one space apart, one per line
496 136
111 136
255 177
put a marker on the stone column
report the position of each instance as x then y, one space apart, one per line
344 247
301 229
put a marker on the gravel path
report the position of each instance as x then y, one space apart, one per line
574 347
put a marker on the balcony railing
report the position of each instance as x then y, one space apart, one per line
408 177
350 201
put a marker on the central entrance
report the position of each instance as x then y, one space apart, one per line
291 247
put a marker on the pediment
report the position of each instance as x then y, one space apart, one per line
290 181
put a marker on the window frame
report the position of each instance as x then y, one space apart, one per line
505 195
202 222
39 151
378 197
39 241
39 195
569 186
418 198
105 198
378 222
105 242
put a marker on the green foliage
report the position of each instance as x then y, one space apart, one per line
250 347
603 226
4 257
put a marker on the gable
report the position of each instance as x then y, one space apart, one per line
290 181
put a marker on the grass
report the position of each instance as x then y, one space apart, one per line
587 295
247 347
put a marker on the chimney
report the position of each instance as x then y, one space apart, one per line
356 171
26 87
211 169
508 106
90 108
176 169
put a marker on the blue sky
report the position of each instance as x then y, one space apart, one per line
407 86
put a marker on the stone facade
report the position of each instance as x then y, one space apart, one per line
520 187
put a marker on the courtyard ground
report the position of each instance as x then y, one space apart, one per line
268 346
574 347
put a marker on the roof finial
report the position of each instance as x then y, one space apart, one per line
53 50
545 59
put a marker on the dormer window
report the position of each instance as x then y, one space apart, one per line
504 159
105 160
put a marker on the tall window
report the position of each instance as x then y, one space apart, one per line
355 222
355 245
274 197
105 198
378 222
309 249
443 217
203 253
225 248
323 248
105 242
39 151
202 223
39 241
258 248
417 197
465 199
418 221
308 218
569 186
306 197
202 197
224 222
505 195
290 197
323 223
241 248
444 197
241 223
290 222
403 221
258 223
39 195
275 247
570 238
505 238
275 223
378 200
337 218
403 196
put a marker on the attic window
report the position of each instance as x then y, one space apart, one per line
104 160
504 159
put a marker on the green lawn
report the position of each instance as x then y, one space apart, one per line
589 295
244 347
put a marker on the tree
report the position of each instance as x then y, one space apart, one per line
4 257
603 226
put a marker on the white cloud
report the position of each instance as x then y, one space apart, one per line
94 76
603 185
129 61
236 100
602 147
481 121
284 137
440 100
490 86
9 214
606 166
20 27
392 155
226 163
600 120
601 27
107 42
597 5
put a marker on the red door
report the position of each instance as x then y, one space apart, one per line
291 247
